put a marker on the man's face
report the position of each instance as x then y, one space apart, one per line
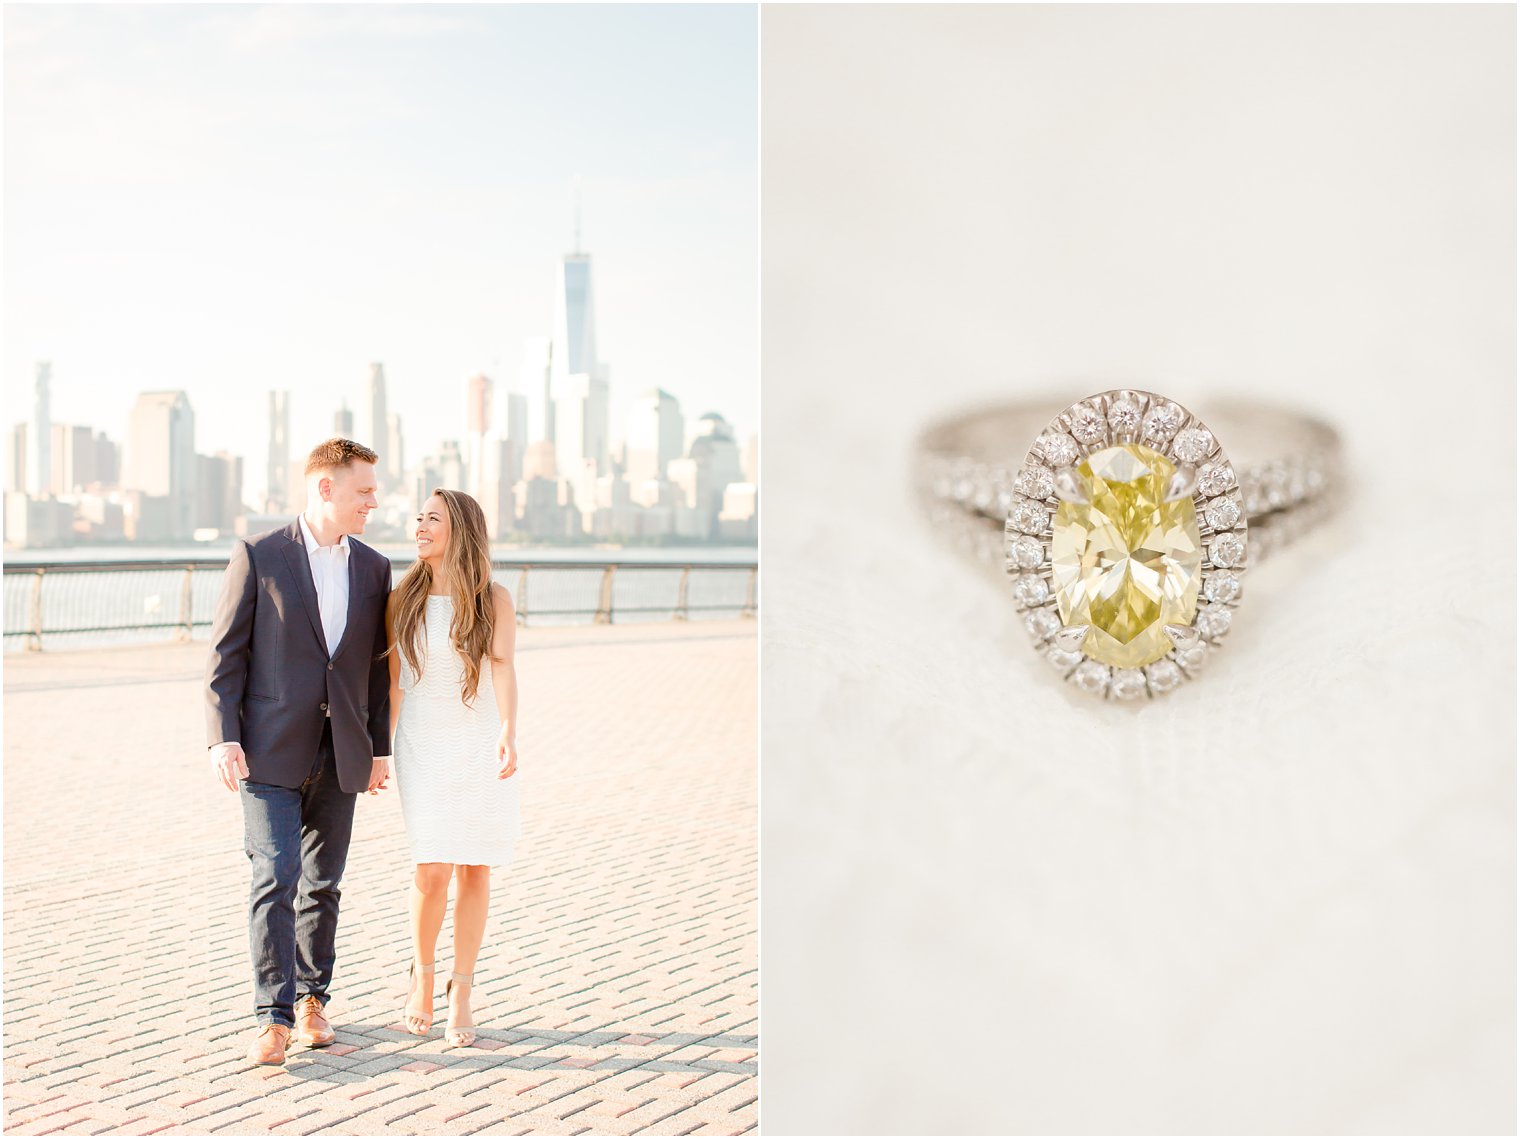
351 496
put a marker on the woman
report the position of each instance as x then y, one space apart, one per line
454 721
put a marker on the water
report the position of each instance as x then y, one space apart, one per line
95 608
402 552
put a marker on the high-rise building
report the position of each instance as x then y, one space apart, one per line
15 467
580 423
515 409
538 462
737 520
160 455
545 513
479 459
709 467
277 493
377 424
574 318
580 380
497 497
42 429
655 432
615 515
219 491
107 461
478 404
537 379
343 422
73 451
393 459
450 467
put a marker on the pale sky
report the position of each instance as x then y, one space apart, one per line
231 199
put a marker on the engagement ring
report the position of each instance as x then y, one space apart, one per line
1127 528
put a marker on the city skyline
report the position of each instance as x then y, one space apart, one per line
410 243
567 481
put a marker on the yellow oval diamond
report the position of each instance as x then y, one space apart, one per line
1126 562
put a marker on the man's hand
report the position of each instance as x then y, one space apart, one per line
228 764
379 772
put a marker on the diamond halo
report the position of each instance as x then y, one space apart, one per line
1142 544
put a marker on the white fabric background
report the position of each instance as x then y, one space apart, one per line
1283 898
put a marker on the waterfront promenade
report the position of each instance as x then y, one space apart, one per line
616 990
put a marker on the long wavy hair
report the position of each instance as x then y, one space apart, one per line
468 562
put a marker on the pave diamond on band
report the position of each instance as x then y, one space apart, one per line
1123 525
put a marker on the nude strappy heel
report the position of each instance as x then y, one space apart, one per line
458 1035
423 1017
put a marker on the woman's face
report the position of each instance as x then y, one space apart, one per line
433 530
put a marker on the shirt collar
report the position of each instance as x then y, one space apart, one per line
312 546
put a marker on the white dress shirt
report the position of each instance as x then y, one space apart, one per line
329 573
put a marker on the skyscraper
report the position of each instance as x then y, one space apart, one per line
73 450
343 422
478 404
478 460
219 491
655 434
15 467
393 458
574 318
580 424
450 466
107 461
537 379
160 455
42 429
710 466
497 498
515 412
579 378
277 494
376 425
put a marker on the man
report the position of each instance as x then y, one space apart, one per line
298 710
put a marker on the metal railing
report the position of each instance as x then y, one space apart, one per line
106 600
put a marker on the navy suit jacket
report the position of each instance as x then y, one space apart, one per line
271 679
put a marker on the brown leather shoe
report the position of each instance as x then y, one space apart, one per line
312 1028
269 1046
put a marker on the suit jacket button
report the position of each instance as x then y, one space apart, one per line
329 666
324 707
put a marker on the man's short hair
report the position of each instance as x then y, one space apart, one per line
337 452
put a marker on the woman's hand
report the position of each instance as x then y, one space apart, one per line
506 752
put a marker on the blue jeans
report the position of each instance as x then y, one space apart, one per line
297 842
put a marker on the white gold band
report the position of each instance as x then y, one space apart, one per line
1288 468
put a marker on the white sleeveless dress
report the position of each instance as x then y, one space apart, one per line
455 808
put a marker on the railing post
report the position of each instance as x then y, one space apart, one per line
682 610
36 613
522 597
749 593
186 604
604 601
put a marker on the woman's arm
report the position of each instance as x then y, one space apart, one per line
504 678
395 662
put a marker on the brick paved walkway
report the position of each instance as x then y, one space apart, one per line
616 989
